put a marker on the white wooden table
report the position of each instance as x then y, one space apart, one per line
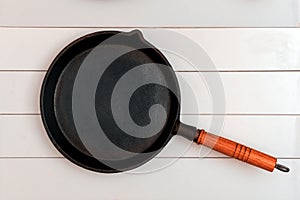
259 68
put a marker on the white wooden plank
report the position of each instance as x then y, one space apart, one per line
247 93
195 13
249 49
24 136
20 92
229 49
185 179
299 10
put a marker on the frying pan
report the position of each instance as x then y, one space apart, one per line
110 102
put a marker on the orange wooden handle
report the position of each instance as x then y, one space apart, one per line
236 150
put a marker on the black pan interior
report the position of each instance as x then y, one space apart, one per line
87 125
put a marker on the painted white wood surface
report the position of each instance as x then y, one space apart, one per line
24 136
229 49
185 179
143 13
246 93
262 107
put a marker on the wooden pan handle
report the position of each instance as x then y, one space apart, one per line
236 150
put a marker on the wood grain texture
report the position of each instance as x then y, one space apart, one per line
195 13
